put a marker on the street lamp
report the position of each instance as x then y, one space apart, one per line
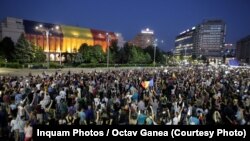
6 63
47 31
155 45
107 34
60 58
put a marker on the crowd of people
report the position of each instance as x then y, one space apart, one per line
197 95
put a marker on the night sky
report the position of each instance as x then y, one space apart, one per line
166 17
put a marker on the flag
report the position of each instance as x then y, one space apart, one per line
151 83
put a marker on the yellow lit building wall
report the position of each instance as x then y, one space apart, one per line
55 43
70 41
74 37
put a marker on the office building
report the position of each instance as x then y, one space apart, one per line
144 39
243 50
184 43
206 39
210 38
229 50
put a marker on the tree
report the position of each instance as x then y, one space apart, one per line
86 53
38 54
98 54
114 52
23 52
6 49
91 54
121 57
78 58
147 58
126 52
181 57
150 51
134 56
158 54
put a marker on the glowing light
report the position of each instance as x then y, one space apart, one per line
147 31
57 27
183 32
76 34
165 71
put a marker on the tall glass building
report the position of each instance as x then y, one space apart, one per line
243 49
206 39
210 38
184 43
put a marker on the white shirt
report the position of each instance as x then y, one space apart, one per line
38 86
176 119
97 101
58 99
14 124
63 94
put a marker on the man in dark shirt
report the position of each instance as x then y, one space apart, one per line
90 115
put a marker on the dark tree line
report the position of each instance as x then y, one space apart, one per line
26 52
22 52
128 54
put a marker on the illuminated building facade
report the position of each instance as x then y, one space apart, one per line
144 39
62 39
206 39
229 50
184 43
243 50
210 38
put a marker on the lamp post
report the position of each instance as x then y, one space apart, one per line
6 63
47 31
47 43
107 34
60 51
155 45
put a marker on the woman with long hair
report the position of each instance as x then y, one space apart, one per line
28 131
